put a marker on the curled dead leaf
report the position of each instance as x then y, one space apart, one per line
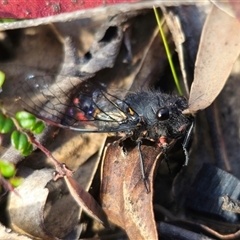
123 194
218 50
43 207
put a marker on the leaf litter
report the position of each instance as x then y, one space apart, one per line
152 160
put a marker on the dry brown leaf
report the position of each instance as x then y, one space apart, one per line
123 195
86 201
33 214
231 7
218 50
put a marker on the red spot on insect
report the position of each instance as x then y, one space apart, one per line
76 101
162 141
80 116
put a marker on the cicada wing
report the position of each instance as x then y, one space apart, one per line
43 97
72 103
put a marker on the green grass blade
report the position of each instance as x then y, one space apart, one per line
167 51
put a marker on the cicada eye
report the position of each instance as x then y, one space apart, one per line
163 114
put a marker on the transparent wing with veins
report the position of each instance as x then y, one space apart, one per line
73 103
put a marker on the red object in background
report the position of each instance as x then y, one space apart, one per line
43 8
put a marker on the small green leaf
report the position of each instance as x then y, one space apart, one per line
15 138
7 169
2 78
6 124
16 181
25 119
19 140
27 150
38 127
23 142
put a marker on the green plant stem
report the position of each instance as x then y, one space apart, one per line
167 51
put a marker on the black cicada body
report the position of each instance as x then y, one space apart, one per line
142 115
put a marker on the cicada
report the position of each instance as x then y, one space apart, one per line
145 114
